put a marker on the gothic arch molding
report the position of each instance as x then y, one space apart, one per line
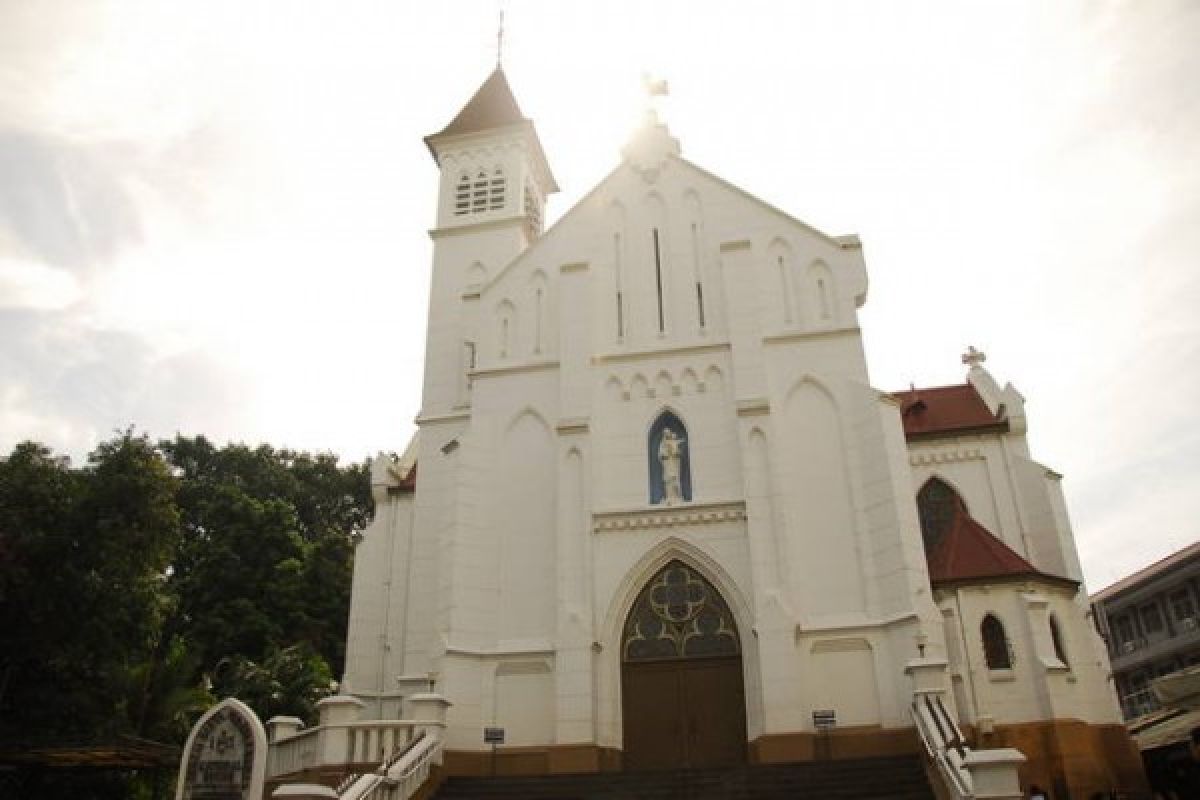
817 384
527 411
673 549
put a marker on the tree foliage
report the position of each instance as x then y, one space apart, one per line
136 589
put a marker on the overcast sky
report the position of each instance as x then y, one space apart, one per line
213 215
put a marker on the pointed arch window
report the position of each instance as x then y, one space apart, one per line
678 615
995 643
669 459
1060 652
938 506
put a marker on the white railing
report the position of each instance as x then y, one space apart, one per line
400 779
371 742
944 744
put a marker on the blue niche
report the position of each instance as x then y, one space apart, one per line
668 453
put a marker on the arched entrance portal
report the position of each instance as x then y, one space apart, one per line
683 701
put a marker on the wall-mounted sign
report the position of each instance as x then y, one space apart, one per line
493 735
825 719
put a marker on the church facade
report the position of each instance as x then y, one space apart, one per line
657 516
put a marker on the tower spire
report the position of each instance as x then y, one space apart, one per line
500 39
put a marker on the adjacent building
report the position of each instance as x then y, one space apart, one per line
1150 622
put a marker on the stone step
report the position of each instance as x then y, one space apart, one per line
900 778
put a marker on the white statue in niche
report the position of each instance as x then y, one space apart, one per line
670 456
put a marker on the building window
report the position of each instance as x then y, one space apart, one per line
462 195
1123 627
669 461
678 615
479 194
658 281
496 191
938 505
1152 620
1060 652
533 212
995 644
1182 607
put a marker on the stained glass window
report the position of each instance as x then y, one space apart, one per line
937 505
678 615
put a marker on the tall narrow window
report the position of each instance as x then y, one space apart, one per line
479 192
504 325
1060 652
823 294
462 195
658 281
468 366
785 289
696 274
537 321
995 644
620 296
496 191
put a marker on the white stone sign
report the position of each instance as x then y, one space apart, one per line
225 757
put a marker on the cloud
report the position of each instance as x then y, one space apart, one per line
71 385
62 203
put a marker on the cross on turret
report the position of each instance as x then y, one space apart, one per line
973 358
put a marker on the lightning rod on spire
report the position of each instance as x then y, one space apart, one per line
500 38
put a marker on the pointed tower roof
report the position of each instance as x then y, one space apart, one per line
492 106
969 553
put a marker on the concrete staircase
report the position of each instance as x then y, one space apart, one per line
898 778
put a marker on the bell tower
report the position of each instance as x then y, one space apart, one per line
493 183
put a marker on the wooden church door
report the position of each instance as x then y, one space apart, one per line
683 700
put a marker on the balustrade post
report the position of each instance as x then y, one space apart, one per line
280 728
994 773
428 712
336 715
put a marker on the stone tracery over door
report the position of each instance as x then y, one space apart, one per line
681 676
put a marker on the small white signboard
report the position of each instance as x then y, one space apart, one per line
225 757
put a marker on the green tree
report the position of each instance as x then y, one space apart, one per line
265 561
84 561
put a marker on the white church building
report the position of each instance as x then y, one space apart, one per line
656 514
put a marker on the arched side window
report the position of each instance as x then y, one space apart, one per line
678 615
995 643
938 506
1060 652
669 458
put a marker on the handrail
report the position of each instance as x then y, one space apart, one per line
947 751
400 779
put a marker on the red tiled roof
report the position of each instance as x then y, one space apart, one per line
942 410
492 106
968 552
